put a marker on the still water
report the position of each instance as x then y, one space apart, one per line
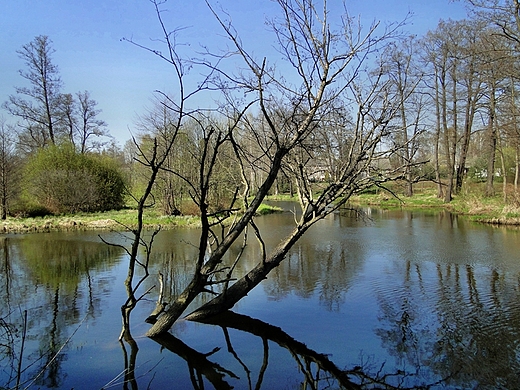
405 298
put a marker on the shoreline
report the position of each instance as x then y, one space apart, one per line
121 220
475 209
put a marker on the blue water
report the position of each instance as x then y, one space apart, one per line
412 298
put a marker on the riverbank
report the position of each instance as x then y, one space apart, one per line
478 208
120 220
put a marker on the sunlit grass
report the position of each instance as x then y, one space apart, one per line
387 200
120 220
472 203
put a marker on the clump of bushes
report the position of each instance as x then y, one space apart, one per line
61 180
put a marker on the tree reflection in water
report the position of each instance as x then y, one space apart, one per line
44 276
471 338
317 370
428 314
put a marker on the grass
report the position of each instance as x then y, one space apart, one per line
387 200
471 202
111 220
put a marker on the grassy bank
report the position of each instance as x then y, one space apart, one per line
474 205
112 220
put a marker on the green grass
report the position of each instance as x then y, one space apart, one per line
111 220
266 209
386 200
474 204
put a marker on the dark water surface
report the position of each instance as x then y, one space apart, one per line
409 297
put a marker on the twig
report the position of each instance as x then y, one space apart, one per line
57 353
24 333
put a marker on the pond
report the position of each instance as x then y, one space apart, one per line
407 298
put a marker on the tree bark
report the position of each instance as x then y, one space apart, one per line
492 144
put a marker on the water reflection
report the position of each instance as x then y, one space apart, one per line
401 299
317 370
48 277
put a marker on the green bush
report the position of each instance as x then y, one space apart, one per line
61 180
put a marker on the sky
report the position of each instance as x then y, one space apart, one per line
92 55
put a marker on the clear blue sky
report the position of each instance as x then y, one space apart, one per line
121 77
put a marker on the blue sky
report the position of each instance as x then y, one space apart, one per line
87 34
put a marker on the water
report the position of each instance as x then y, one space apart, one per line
410 298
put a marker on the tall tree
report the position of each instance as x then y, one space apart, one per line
441 46
89 129
453 52
37 105
472 82
405 78
8 168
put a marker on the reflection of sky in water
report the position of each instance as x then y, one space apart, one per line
402 289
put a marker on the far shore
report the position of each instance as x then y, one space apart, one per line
120 220
480 209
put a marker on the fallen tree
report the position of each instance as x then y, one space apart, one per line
322 125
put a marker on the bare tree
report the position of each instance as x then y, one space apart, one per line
8 167
454 53
402 69
441 44
328 71
88 126
503 14
37 106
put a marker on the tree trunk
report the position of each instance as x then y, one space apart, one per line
198 282
492 144
437 138
228 298
447 143
468 124
517 167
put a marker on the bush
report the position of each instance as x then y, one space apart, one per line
23 209
63 181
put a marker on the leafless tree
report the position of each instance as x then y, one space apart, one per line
328 71
453 52
91 132
37 106
403 70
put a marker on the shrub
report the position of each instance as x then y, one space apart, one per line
64 181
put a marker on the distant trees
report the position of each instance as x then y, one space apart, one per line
52 129
503 18
471 83
451 54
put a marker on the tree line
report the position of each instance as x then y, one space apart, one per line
455 122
